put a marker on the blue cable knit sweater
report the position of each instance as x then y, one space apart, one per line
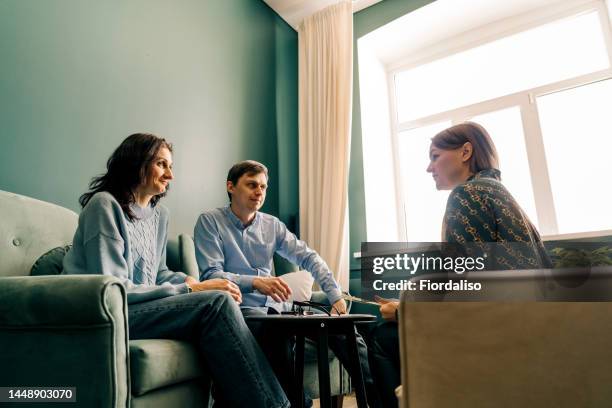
106 242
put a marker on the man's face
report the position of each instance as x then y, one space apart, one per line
249 193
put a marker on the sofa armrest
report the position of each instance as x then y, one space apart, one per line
189 263
74 300
320 297
66 331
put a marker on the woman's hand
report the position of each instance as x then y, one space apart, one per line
215 284
339 307
388 309
274 287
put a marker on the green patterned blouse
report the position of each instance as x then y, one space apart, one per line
482 210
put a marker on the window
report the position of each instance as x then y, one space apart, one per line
549 53
506 130
577 133
543 91
423 206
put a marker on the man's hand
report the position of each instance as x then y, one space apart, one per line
215 284
339 307
274 287
388 309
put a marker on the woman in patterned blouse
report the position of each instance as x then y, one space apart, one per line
480 209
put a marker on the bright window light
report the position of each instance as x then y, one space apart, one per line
577 131
549 53
560 141
506 129
424 205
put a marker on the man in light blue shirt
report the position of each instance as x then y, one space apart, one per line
238 243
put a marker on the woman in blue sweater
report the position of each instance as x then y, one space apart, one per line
122 231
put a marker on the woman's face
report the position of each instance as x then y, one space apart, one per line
159 174
449 167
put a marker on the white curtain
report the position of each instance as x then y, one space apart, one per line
325 98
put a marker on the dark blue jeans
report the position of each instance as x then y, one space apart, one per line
212 321
385 362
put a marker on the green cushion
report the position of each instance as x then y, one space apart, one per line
50 263
158 363
190 394
283 266
338 378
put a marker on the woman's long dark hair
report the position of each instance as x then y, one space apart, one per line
126 169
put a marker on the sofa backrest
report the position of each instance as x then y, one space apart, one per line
28 229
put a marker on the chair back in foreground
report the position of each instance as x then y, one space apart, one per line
508 353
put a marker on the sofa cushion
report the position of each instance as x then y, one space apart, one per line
51 262
300 283
158 363
338 379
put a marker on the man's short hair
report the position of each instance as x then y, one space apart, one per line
249 167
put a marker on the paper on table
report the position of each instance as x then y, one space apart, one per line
360 300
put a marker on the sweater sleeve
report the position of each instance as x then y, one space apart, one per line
104 247
104 256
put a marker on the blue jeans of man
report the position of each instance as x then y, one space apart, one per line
212 321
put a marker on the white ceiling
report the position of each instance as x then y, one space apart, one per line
295 11
420 34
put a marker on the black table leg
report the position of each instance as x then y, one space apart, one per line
298 389
356 374
323 359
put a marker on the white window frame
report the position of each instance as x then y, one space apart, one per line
525 100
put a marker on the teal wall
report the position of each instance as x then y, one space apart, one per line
286 123
365 22
216 78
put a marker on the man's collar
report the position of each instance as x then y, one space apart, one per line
237 222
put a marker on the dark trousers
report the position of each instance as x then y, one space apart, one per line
385 362
212 321
276 346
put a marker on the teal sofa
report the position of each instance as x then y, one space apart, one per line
72 331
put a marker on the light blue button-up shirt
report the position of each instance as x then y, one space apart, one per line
226 249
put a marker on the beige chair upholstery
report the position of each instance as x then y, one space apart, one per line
505 354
